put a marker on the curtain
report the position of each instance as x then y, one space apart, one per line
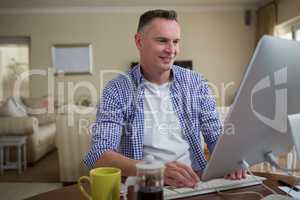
266 20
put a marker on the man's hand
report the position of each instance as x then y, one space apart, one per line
239 174
180 175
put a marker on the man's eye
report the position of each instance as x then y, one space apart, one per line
162 41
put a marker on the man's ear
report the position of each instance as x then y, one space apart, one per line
138 40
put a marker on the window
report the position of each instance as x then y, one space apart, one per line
289 30
288 36
298 35
14 60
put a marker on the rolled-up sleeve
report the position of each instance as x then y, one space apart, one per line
107 129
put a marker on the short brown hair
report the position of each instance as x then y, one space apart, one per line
148 16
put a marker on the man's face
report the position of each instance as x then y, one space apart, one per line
158 44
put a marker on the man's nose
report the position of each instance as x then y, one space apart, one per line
170 48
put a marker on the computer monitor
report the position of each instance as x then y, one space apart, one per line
257 121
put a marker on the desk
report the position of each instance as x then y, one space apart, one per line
72 192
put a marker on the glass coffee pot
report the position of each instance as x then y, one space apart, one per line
149 182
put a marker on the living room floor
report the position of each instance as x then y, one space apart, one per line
38 178
22 190
44 170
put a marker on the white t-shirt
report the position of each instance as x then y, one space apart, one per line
163 136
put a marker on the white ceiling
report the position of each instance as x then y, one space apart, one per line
98 3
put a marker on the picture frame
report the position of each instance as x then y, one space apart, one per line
72 58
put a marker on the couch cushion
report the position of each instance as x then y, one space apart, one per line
19 102
37 105
10 108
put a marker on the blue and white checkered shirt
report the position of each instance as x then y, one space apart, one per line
119 124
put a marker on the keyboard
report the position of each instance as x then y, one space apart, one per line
213 185
278 197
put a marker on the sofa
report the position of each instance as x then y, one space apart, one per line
40 129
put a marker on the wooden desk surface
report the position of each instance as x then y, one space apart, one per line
72 192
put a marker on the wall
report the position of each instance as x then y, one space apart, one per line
217 41
288 9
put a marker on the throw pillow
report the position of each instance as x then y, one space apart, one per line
11 109
36 105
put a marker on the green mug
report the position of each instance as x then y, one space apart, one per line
104 182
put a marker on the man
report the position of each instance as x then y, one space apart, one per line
162 109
